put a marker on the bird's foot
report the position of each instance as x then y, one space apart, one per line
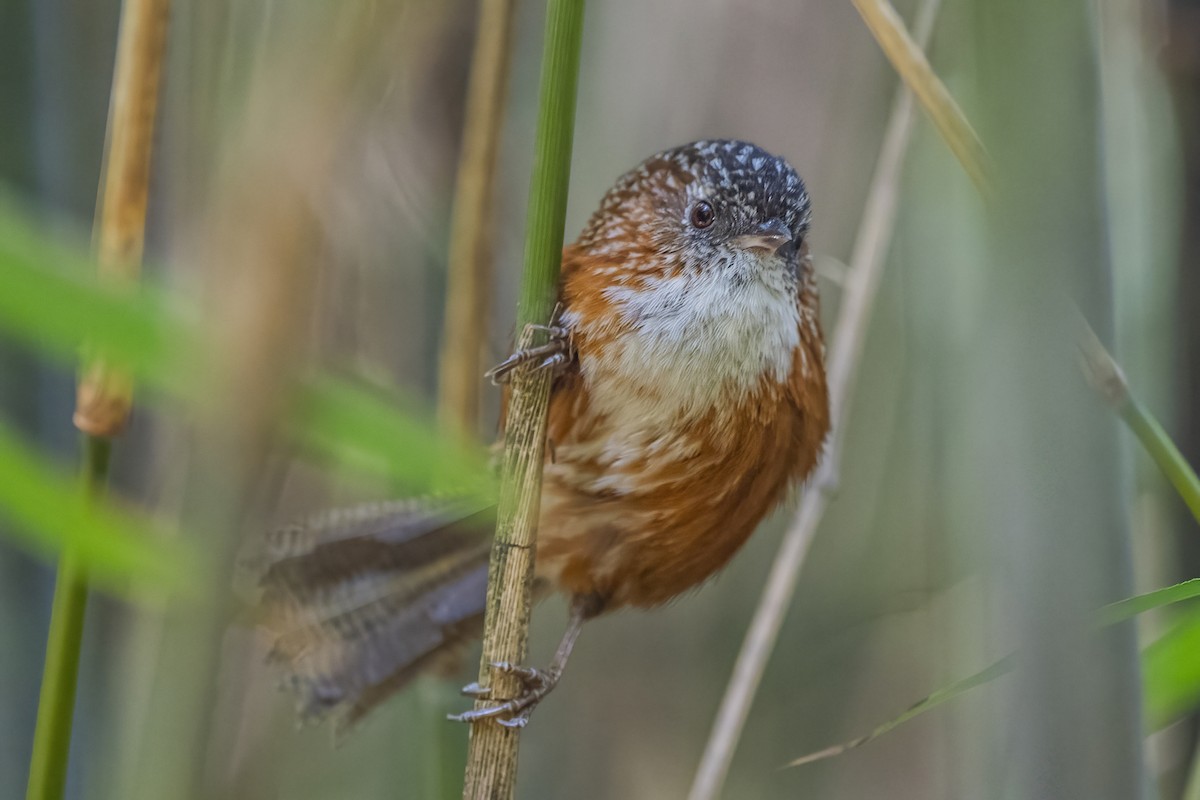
555 354
535 683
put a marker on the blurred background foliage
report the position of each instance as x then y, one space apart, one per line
302 186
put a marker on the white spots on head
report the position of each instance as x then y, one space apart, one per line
698 191
648 205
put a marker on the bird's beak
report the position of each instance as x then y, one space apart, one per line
770 236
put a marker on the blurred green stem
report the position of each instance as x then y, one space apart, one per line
56 705
1164 452
1108 379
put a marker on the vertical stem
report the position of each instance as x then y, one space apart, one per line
460 371
492 758
104 394
56 705
552 160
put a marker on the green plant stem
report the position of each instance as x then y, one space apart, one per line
552 160
1108 380
1164 452
56 705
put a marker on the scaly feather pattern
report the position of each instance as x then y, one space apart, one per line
692 397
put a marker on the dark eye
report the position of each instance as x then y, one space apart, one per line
703 215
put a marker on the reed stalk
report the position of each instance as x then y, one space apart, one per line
104 395
908 58
465 327
1108 379
469 264
492 757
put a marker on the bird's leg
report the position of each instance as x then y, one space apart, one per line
536 683
555 354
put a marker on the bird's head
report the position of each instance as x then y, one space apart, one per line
724 209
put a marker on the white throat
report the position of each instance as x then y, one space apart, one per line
695 340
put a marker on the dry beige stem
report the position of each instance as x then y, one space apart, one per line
908 59
493 763
461 370
105 391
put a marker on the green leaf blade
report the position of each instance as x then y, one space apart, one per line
369 431
52 515
50 299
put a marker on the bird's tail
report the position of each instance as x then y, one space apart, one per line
358 601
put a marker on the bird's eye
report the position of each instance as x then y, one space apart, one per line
703 215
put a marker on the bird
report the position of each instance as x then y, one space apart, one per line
688 398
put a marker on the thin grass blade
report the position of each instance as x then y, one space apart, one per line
51 515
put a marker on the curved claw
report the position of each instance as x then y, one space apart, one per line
536 683
532 677
516 722
554 355
475 690
512 713
477 714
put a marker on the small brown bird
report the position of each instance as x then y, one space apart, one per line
689 396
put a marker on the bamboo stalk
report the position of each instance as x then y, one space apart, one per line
469 262
104 395
849 335
492 758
